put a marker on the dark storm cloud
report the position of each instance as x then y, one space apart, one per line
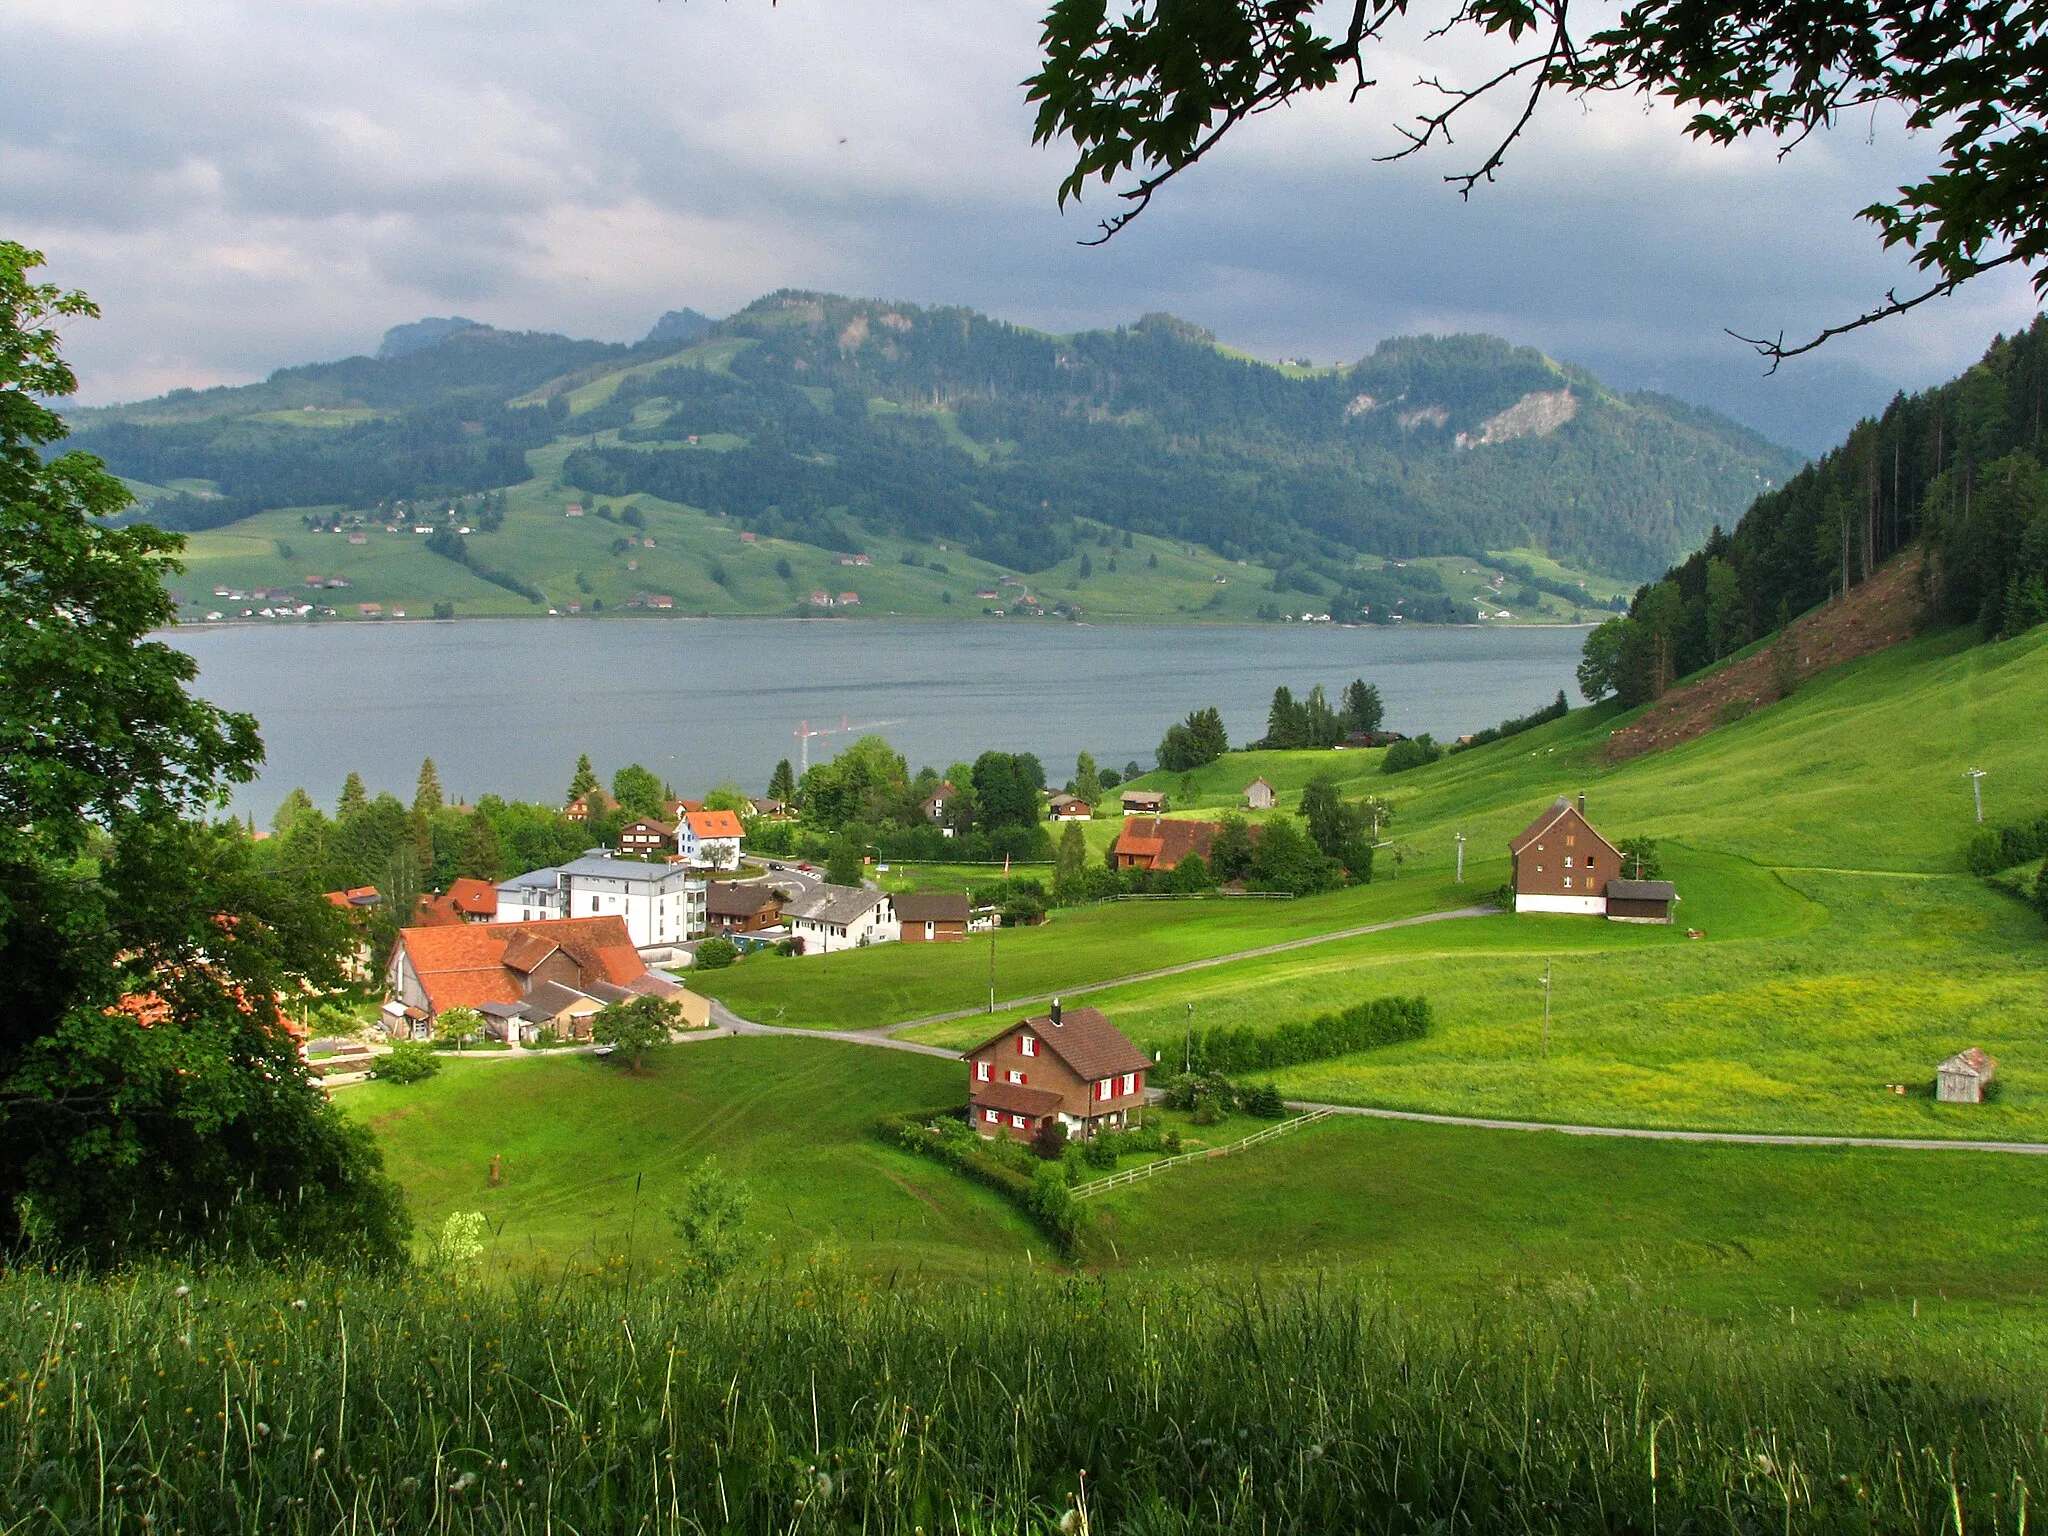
245 185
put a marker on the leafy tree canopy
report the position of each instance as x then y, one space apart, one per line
1158 86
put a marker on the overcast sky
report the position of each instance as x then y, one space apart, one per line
248 185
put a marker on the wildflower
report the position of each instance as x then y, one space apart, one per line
78 1327
319 1453
262 1428
409 1485
298 1304
182 1292
463 1483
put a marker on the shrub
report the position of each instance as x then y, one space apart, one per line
1053 1205
1265 1102
1100 1152
997 1163
408 1062
1639 860
1050 1142
1411 752
715 953
1996 848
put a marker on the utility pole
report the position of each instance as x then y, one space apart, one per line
1546 1010
1461 859
1976 778
1187 1041
992 964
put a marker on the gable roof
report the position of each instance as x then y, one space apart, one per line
648 824
729 898
1556 812
473 963
1084 1039
714 824
932 907
1973 1061
473 898
1640 890
1255 783
835 903
1166 842
1144 797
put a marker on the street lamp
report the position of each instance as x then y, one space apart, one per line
1976 778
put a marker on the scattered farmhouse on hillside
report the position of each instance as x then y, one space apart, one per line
1143 802
1155 843
1069 808
660 904
932 919
935 804
1070 1066
521 977
711 838
1561 864
582 807
1258 795
829 918
735 907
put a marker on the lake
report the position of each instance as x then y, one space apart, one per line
504 706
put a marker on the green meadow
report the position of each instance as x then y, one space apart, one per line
590 1155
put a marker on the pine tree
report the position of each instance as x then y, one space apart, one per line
480 857
1363 711
782 782
1283 721
427 798
1087 569
294 803
353 796
585 780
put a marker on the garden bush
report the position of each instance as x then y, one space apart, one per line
1996 848
408 1062
1411 752
715 953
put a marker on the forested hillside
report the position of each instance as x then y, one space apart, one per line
1956 468
819 419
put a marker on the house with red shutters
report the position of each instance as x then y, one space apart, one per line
1070 1066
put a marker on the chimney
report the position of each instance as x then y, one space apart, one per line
1055 1013
1582 802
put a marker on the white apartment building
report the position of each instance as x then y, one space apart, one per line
662 904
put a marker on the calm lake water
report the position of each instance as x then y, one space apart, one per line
504 706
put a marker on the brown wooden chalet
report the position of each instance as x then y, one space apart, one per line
1154 842
1071 1066
731 907
932 918
647 835
1562 864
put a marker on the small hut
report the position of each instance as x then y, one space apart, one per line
1963 1078
1258 795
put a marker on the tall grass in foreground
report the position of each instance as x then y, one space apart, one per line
819 1400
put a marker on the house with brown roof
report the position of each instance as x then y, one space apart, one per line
1069 808
935 805
1143 802
1156 843
647 837
581 808
1562 864
1070 1066
711 838
733 907
932 917
502 969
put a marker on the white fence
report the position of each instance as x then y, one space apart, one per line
1133 1175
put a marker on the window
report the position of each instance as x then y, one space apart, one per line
991 1117
1589 861
1027 1045
981 1072
1106 1088
1017 1121
1567 882
1130 1082
1567 861
1016 1077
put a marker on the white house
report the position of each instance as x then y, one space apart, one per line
836 917
661 904
710 838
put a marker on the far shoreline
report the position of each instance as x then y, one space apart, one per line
1188 622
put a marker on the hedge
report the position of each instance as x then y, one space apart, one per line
1382 1021
1997 848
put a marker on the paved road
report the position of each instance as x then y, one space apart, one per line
731 1023
1741 1138
1183 969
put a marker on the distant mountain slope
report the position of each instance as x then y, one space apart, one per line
816 418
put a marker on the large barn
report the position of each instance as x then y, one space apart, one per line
1563 864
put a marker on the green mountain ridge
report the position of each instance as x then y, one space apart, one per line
828 424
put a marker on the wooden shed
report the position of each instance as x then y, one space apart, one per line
1640 901
1258 795
1963 1078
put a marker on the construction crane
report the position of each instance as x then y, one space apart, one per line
804 733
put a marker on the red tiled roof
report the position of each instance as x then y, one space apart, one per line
716 824
1165 843
358 896
474 963
474 898
435 912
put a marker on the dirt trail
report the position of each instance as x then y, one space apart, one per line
1878 614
